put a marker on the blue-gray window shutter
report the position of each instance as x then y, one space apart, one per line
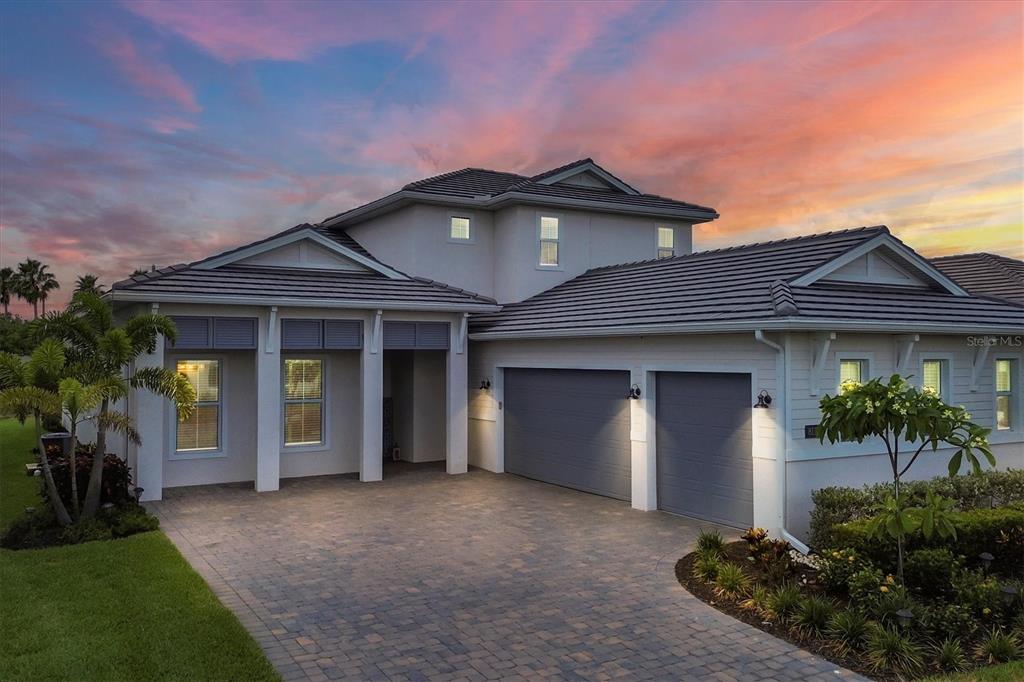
302 334
234 332
343 334
432 335
193 332
400 335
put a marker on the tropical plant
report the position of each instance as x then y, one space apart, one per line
29 388
758 600
896 413
950 656
90 283
34 284
77 403
101 354
711 540
886 648
8 288
837 566
783 601
706 567
847 628
731 582
998 647
812 616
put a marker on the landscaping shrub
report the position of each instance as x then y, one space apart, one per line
758 601
894 598
731 582
978 593
847 628
706 567
812 616
864 585
40 529
837 566
784 600
978 530
85 531
132 521
117 479
29 531
931 571
944 621
711 541
838 505
950 656
771 556
887 648
998 647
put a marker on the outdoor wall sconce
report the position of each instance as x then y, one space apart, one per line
485 385
634 392
764 401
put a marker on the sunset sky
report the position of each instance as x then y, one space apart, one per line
141 133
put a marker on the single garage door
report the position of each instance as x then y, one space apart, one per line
569 427
704 441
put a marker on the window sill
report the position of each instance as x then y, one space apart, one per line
552 268
453 240
302 449
196 454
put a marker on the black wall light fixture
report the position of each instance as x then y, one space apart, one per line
634 392
764 400
485 385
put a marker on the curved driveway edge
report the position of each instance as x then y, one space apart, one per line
474 577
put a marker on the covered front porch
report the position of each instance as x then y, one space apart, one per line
285 392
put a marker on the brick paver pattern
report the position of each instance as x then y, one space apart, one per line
426 576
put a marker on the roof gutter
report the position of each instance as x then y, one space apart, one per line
782 428
489 202
782 324
150 297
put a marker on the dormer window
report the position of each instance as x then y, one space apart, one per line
458 228
666 242
548 241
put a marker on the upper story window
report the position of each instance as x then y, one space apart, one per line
853 370
935 377
303 401
458 228
1006 390
549 234
201 431
666 242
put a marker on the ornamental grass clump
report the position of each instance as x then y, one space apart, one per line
758 601
998 646
706 566
847 628
784 600
711 541
811 617
949 656
731 582
887 648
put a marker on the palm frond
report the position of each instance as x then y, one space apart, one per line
144 330
115 348
26 399
119 422
12 370
94 309
169 384
110 387
46 363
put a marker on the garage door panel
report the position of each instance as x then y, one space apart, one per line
704 442
570 428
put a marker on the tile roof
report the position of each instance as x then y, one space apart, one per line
985 274
296 284
741 284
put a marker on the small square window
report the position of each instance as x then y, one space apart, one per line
459 228
852 370
934 375
666 242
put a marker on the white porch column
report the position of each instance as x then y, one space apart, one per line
457 398
150 420
371 372
268 403
642 446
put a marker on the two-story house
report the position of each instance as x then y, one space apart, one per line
558 327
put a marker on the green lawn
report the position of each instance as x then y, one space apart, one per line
1008 672
17 490
129 609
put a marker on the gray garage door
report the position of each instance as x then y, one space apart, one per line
704 446
569 427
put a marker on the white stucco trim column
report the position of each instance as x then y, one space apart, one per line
643 464
268 403
457 399
150 419
371 383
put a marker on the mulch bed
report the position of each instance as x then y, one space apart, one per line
736 552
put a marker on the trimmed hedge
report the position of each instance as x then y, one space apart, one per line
997 531
836 505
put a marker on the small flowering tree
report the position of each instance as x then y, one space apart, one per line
900 414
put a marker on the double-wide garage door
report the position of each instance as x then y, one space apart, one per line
571 428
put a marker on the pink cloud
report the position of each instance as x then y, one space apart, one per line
150 76
168 125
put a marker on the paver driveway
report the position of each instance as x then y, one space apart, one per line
481 576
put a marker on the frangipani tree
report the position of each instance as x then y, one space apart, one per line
100 356
908 421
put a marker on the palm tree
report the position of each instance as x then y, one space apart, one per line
47 283
101 355
25 283
8 284
89 283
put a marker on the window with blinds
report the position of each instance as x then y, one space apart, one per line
852 370
549 241
458 228
303 401
934 375
666 242
1005 394
201 431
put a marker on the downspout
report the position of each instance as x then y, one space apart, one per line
781 373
